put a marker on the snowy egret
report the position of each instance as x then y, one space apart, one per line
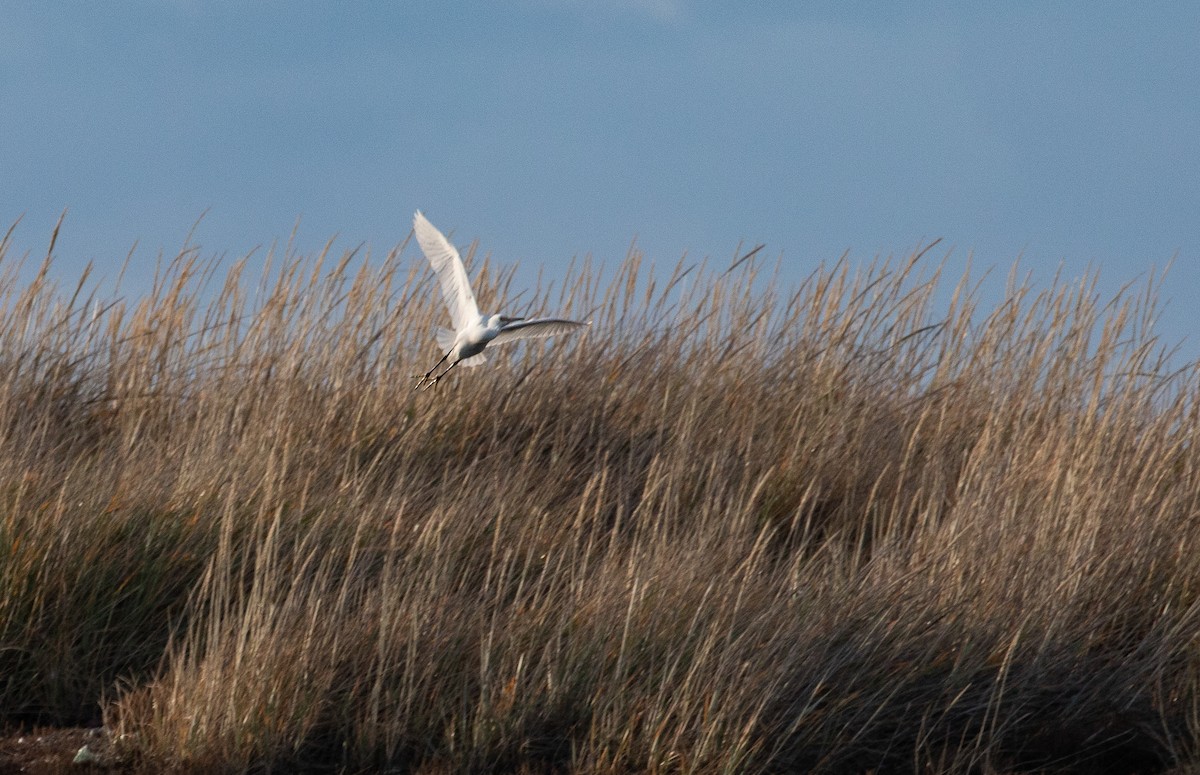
472 331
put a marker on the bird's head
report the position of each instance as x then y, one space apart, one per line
505 320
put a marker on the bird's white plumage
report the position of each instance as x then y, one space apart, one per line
443 257
445 342
536 329
472 331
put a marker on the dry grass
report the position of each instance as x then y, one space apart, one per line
733 528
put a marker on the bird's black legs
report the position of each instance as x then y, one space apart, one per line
444 373
428 380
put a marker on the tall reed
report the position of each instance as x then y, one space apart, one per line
859 523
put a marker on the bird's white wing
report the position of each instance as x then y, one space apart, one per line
536 329
456 286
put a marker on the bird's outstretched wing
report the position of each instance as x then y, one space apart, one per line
456 286
536 329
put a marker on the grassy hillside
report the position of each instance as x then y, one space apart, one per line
855 524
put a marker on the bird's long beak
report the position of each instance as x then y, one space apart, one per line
506 320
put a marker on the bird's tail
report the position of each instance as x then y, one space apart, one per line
445 340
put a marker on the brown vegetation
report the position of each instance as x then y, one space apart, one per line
848 526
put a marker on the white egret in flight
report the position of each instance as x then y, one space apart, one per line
472 331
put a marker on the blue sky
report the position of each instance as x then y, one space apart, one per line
1063 132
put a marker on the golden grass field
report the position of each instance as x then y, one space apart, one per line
855 524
